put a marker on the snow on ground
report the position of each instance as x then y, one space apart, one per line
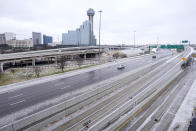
184 114
132 51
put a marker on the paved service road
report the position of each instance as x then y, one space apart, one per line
19 99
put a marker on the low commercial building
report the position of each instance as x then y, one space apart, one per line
26 43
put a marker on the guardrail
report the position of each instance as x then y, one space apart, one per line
42 118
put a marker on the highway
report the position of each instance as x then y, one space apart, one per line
165 107
105 114
19 99
113 103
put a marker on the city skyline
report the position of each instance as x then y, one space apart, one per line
169 21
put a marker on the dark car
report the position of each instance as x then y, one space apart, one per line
154 56
120 67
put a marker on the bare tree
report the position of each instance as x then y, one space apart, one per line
12 71
116 55
1 76
62 62
29 75
37 71
79 60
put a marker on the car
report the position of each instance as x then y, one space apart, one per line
154 50
154 56
120 67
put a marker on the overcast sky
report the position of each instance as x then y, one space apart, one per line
169 21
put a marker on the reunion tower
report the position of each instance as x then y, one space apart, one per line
90 14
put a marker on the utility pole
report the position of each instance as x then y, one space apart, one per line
134 37
157 41
99 32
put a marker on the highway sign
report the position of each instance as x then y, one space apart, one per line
185 41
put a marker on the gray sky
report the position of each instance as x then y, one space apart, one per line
168 20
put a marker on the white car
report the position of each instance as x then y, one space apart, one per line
154 50
120 67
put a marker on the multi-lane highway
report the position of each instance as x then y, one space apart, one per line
19 99
107 111
161 113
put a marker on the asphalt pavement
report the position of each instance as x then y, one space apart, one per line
22 98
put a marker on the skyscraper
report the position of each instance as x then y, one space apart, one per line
6 37
2 39
83 35
37 39
47 39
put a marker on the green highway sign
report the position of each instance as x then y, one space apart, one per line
185 41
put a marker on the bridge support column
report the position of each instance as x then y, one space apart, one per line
1 67
14 62
33 62
97 55
48 59
84 56
56 60
72 57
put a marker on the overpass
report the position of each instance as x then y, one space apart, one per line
55 53
48 54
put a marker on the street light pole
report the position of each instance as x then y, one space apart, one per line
99 32
157 40
134 37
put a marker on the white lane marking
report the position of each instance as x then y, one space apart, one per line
59 84
17 102
65 87
172 59
15 96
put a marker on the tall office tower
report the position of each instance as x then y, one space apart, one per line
47 39
82 36
10 36
7 36
37 38
2 39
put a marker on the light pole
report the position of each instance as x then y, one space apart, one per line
134 37
99 32
157 40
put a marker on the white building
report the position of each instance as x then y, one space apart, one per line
6 37
26 43
10 36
